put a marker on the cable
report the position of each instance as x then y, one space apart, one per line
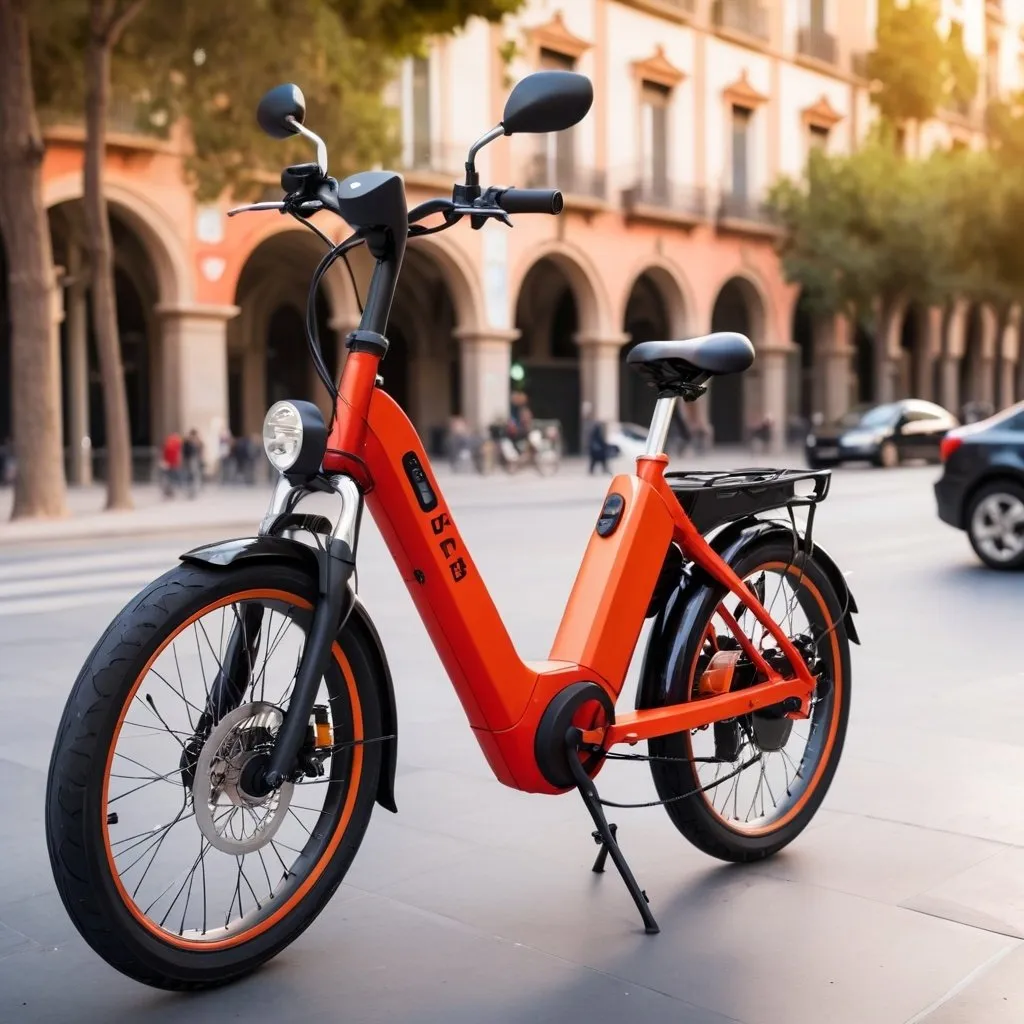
312 330
329 242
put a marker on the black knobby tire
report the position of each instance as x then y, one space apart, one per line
695 815
76 785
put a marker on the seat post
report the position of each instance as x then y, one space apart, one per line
657 435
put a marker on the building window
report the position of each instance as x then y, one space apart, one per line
421 108
814 15
654 106
817 136
742 119
558 149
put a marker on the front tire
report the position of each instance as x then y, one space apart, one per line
719 820
123 705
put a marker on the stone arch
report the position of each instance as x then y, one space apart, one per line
655 308
460 277
561 314
913 374
583 276
740 305
159 233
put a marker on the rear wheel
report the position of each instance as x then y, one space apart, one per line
995 525
888 455
747 787
172 863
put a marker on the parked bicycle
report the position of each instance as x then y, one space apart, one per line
227 738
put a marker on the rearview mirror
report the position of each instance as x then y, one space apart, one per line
278 107
547 101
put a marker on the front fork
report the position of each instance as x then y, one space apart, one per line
336 556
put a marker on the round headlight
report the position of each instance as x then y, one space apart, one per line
282 435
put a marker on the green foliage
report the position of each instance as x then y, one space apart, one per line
907 62
865 226
209 63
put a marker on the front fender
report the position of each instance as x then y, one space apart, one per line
671 627
224 554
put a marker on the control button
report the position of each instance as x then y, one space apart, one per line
611 514
425 495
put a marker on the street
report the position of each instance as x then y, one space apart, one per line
902 902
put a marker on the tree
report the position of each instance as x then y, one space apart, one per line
35 364
914 69
209 63
108 20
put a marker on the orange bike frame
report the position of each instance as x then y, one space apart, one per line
373 441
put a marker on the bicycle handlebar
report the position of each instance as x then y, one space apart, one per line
531 200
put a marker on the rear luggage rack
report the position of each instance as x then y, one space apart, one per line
712 498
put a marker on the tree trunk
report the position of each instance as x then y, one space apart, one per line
101 261
39 488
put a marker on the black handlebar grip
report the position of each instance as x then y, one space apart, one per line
531 200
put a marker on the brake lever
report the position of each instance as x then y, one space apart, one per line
256 208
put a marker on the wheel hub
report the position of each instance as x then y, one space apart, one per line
232 813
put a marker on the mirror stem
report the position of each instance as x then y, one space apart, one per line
321 146
472 178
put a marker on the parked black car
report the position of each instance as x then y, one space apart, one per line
981 489
883 434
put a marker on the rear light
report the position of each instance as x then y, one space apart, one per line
950 443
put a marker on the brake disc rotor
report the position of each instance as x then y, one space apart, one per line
232 819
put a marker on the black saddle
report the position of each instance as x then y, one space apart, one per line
680 368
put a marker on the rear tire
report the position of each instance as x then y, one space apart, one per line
888 455
82 832
696 815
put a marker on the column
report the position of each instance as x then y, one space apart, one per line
195 350
930 350
599 374
1006 352
832 346
887 346
773 361
983 385
486 361
76 318
952 351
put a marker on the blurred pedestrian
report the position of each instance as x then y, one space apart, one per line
170 464
598 448
228 468
192 457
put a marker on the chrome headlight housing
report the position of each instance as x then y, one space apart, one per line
295 437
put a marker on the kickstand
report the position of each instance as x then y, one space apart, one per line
606 834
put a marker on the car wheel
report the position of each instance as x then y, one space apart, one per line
995 525
888 455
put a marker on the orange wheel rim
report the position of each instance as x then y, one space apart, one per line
328 850
837 698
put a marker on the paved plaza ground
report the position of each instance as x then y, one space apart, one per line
903 902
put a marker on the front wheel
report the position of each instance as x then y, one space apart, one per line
743 789
172 863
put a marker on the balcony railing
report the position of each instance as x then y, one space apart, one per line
572 180
817 43
682 201
746 16
736 207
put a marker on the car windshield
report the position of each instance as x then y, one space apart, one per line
880 416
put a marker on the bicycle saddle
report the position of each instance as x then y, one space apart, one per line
675 367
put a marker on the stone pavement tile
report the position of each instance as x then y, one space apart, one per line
754 948
989 895
12 942
41 917
994 996
931 779
369 961
880 860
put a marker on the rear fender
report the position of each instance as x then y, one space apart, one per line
673 624
282 550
